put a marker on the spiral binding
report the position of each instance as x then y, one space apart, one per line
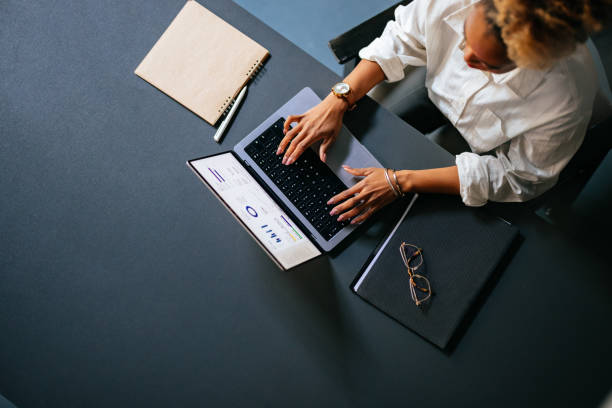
229 102
255 68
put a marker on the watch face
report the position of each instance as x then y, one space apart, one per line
341 88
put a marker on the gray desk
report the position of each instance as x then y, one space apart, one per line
124 283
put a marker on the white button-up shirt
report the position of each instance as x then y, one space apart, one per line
528 122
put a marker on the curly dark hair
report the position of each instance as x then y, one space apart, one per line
538 32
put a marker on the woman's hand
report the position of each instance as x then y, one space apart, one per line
365 198
321 122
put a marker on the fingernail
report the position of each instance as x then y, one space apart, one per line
278 151
330 202
345 166
284 160
290 161
353 221
324 157
340 218
332 212
284 131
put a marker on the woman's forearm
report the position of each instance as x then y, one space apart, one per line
363 78
443 180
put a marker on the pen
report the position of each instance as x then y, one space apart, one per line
223 125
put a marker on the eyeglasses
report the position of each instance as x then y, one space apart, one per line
420 288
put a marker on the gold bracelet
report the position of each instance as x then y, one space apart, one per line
390 184
397 184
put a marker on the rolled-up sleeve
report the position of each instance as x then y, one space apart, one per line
521 169
402 42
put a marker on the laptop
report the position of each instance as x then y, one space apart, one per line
284 208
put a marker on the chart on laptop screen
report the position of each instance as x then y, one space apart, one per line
274 229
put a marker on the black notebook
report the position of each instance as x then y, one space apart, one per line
462 248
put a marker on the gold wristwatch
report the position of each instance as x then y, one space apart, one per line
343 90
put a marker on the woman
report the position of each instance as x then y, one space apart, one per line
511 76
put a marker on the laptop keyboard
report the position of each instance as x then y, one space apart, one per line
308 183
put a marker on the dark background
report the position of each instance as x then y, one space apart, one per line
123 282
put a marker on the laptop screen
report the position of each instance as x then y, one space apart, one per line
254 207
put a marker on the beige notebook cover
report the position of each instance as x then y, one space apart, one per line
202 62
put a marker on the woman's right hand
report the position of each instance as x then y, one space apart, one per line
322 122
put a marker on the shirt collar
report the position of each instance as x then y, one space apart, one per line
522 81
455 19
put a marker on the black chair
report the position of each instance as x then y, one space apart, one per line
346 46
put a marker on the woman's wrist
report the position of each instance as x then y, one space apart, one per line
405 180
338 103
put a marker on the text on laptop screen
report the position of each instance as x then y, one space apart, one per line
256 209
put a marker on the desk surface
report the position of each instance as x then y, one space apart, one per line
125 283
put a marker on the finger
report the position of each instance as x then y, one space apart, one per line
295 142
298 147
356 210
346 205
345 194
364 216
290 135
323 148
291 119
357 172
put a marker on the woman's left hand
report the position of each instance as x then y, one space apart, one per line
364 198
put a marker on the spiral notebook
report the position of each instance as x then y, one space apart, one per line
463 250
202 62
